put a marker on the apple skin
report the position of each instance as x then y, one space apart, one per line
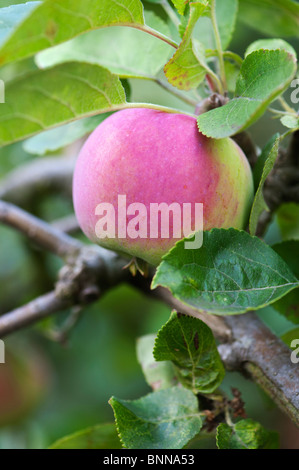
152 157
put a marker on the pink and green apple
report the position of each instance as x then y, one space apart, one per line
151 157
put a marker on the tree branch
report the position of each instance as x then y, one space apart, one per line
23 184
30 313
40 232
266 359
246 344
68 224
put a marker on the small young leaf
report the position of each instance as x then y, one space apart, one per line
270 45
259 166
231 72
230 274
278 18
187 68
181 5
259 203
189 344
246 434
45 99
46 25
182 26
264 75
102 436
290 121
55 139
167 419
131 53
159 375
226 16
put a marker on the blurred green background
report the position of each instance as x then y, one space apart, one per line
99 360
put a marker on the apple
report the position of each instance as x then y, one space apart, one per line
140 158
24 379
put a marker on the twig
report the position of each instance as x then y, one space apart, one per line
82 281
22 185
40 232
32 312
68 224
61 335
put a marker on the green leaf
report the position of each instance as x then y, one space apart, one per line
12 16
102 436
131 53
46 26
278 18
11 72
270 44
246 434
259 166
259 204
288 220
189 343
55 139
159 375
264 75
67 92
231 72
230 274
8 3
290 121
187 68
183 25
180 5
290 335
166 419
289 304
226 16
